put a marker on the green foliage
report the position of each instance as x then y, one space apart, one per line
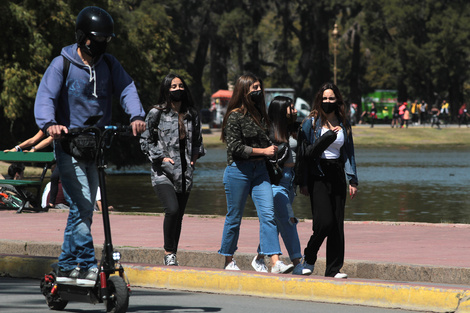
420 48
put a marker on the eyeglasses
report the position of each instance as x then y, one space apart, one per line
329 98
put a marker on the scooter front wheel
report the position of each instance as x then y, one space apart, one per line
118 301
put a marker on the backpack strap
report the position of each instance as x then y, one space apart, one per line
65 71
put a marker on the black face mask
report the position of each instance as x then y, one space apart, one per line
329 107
256 96
95 48
176 95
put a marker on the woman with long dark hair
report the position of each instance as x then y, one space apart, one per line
174 145
326 159
283 115
245 129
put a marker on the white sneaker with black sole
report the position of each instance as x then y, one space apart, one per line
88 278
170 260
68 277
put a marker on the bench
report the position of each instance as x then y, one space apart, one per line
20 185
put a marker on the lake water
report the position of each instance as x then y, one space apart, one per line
394 185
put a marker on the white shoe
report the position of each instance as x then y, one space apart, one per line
259 265
341 275
299 269
309 267
281 268
232 266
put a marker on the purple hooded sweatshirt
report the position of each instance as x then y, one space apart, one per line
87 92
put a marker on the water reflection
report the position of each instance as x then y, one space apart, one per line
395 185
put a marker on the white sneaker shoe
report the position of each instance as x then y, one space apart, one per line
259 265
299 269
309 267
341 275
232 266
281 268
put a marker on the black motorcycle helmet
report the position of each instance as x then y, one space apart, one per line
93 22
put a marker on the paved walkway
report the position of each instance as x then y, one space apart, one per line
409 262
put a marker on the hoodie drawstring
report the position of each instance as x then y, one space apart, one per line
93 78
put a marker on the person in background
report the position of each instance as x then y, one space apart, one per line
245 129
325 159
423 112
37 142
406 117
463 115
175 145
68 102
435 117
283 115
401 112
414 112
444 116
373 114
16 171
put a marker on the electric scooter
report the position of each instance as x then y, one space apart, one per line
112 290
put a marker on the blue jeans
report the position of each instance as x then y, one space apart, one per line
283 199
80 183
243 178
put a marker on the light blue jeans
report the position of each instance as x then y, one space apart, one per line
80 182
283 199
243 178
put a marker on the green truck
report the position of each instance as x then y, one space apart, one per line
384 101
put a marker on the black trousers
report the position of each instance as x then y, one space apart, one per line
55 176
327 199
175 205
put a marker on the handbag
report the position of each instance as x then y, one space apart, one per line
274 171
83 146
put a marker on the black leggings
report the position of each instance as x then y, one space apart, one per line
54 185
327 199
175 204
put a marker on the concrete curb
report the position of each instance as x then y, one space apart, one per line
212 260
351 291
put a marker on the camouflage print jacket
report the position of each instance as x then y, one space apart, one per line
242 134
165 143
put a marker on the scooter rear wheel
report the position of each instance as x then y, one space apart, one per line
118 295
54 302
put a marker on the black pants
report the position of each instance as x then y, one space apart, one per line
54 185
175 205
327 199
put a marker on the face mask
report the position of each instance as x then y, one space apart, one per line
329 107
176 95
95 48
256 96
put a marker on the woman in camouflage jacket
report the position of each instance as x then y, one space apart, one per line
245 130
174 144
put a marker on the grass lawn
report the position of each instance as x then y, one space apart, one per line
383 136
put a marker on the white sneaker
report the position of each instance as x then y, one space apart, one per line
309 267
232 266
281 268
341 275
259 265
170 260
299 269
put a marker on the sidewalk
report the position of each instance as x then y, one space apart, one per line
379 255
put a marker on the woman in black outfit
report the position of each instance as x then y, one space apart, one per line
325 161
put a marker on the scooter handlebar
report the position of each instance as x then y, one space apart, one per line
120 128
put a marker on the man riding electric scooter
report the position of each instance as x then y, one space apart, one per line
78 86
